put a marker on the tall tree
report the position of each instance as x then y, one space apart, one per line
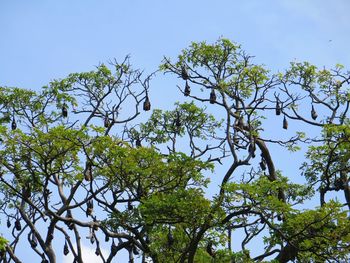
76 159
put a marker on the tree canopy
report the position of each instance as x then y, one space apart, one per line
202 182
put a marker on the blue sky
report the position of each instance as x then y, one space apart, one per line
41 40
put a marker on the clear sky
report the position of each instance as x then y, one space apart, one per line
41 40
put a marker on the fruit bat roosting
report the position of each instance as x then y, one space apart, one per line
130 206
106 121
285 123
278 108
64 111
251 149
212 97
187 91
88 171
138 142
18 225
13 124
313 113
90 208
177 121
65 249
263 164
146 104
184 73
33 241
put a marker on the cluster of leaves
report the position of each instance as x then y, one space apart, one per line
3 243
315 234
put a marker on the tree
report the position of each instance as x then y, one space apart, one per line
75 158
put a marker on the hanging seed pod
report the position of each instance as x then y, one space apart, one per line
212 98
184 73
13 124
285 123
64 111
170 238
88 171
278 108
65 248
106 121
106 238
187 90
262 164
313 113
8 223
97 252
18 225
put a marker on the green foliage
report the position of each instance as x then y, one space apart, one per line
203 54
3 243
225 64
316 233
176 207
193 121
318 81
328 159
262 195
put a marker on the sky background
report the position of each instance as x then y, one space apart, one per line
45 40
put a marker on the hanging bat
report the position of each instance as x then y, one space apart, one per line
187 91
212 98
146 104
